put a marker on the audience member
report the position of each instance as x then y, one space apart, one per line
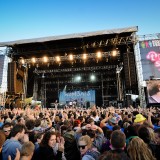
45 150
10 145
7 129
118 143
2 140
86 149
138 150
27 151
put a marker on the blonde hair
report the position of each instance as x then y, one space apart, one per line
27 149
152 134
87 139
44 123
138 150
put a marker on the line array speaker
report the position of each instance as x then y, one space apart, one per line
130 70
12 77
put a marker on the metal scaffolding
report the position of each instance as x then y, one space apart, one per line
3 83
139 76
141 82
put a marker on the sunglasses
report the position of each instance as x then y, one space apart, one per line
83 147
7 131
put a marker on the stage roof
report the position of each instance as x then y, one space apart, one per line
70 36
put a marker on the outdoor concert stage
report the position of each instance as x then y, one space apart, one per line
84 68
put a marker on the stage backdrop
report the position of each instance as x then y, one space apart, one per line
150 58
80 98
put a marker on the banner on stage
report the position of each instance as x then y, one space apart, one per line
79 98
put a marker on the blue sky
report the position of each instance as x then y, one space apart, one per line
23 19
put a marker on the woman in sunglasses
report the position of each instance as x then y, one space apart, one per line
86 150
7 129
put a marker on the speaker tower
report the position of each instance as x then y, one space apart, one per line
11 77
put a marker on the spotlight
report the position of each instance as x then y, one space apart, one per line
45 59
78 79
114 52
22 61
70 57
92 78
43 76
33 60
99 54
84 56
58 59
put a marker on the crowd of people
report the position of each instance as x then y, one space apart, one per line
77 133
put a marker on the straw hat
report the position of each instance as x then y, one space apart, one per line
139 118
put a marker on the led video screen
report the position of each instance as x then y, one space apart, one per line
150 58
153 91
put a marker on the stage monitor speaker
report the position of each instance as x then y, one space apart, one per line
11 77
130 70
133 69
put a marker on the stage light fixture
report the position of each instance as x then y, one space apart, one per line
78 78
58 59
71 57
99 54
92 77
22 61
43 76
45 59
114 53
84 56
33 60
